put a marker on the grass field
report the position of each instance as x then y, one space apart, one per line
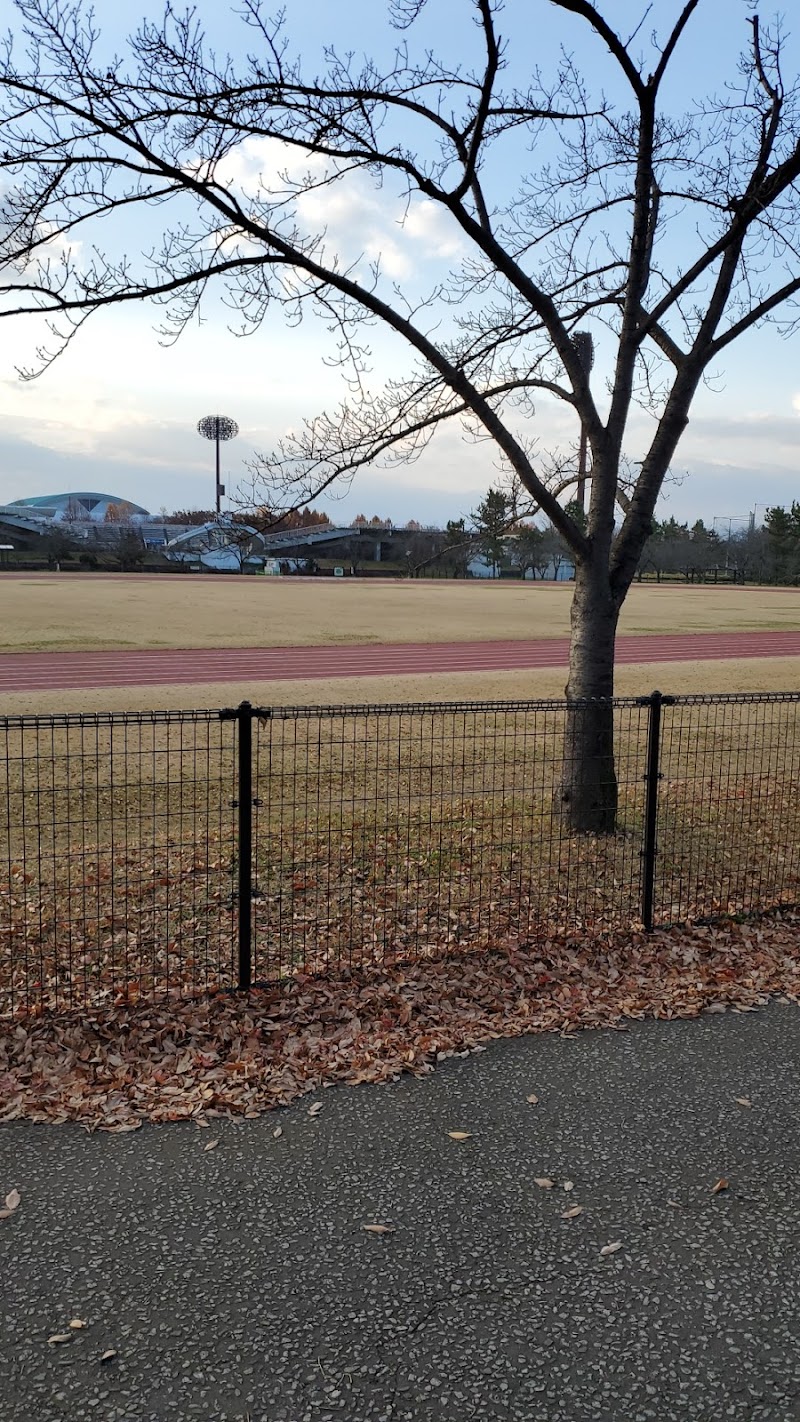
79 612
51 612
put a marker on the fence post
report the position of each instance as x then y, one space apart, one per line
652 776
243 802
244 725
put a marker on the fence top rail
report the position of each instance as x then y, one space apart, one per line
208 716
431 708
736 698
416 708
32 721
89 719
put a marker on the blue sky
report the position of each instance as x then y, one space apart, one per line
118 411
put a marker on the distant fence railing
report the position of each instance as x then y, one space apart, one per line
147 852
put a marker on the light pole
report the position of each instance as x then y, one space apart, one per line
217 427
584 349
754 515
729 519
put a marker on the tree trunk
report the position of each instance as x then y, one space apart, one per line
588 789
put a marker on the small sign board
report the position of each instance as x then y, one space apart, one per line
338 572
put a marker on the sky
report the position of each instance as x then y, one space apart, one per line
118 411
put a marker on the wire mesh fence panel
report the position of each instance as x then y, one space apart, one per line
132 845
116 856
401 831
729 806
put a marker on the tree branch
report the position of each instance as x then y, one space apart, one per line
670 46
592 15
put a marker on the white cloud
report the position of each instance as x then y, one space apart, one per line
428 224
59 246
266 165
356 216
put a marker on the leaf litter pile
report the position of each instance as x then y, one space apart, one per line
220 1056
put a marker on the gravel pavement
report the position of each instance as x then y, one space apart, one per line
239 1283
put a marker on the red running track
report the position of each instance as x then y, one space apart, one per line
56 671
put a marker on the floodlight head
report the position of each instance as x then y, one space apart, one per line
583 345
217 427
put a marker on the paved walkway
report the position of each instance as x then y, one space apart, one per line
54 671
239 1282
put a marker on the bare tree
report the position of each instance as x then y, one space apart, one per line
128 550
120 514
527 552
74 513
57 545
229 537
242 543
420 548
671 233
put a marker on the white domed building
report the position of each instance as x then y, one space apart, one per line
78 507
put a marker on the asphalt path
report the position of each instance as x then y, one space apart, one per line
239 1283
55 671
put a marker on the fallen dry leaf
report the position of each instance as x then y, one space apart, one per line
460 1135
108 1355
277 1132
113 1064
379 1228
573 1213
612 1248
743 1101
543 1182
60 1338
77 1323
211 1145
721 1185
673 1204
12 1201
533 1099
568 1185
315 1109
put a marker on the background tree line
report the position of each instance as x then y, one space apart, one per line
508 541
769 554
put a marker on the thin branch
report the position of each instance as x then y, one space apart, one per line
592 15
672 42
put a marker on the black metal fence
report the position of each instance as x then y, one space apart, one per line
153 852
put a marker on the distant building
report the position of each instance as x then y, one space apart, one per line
482 567
76 507
222 545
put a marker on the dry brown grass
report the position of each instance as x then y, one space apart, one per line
78 612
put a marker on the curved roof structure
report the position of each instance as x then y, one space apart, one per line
80 504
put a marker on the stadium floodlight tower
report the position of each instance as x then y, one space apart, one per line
583 345
218 427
